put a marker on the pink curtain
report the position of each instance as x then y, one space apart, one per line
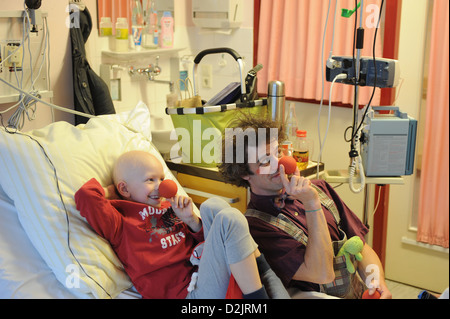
434 188
290 45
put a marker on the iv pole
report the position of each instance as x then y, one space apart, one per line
359 43
359 46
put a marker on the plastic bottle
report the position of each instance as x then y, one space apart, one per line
291 131
166 36
150 24
121 43
172 97
287 148
301 150
156 36
137 23
291 123
106 32
105 27
154 27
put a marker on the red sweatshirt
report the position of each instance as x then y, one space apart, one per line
153 244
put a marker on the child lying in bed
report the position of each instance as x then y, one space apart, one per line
154 238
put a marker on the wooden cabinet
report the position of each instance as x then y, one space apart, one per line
200 189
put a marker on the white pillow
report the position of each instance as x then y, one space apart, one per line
45 205
23 273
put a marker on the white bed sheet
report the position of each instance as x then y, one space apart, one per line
23 272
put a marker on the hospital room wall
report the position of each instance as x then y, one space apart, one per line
192 40
61 63
422 267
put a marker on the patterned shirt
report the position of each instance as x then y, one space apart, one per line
284 253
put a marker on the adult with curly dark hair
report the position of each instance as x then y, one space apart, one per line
298 224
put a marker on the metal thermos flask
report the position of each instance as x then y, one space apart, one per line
275 100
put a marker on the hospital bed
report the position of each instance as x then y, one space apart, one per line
47 250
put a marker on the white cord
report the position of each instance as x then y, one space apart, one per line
398 91
378 202
49 85
27 100
26 105
319 159
322 143
60 108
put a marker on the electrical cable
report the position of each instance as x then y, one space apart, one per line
355 157
27 100
378 202
322 143
398 91
27 18
355 102
60 108
12 107
374 66
26 105
319 159
52 110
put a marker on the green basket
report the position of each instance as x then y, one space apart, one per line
200 135
200 129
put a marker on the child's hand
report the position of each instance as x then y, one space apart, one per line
183 208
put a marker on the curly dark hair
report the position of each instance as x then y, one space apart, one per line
234 166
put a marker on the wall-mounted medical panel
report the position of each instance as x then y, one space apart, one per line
24 55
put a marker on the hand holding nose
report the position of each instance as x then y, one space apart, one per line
299 187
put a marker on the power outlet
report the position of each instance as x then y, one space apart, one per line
13 55
206 72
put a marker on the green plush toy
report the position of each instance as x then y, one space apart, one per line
354 247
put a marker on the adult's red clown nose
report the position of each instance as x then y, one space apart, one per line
289 164
168 188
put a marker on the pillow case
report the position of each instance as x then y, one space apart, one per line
41 170
23 273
